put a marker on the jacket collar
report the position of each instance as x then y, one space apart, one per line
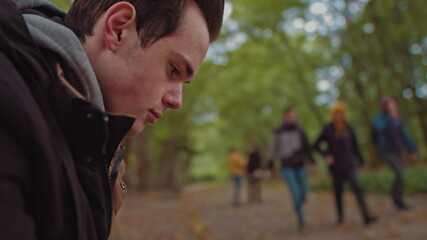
49 33
88 129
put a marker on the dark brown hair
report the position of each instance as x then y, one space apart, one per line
158 18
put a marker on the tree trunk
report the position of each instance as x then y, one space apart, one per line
144 159
167 162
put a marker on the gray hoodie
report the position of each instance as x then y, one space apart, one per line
61 40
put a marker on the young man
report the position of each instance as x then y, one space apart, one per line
69 96
290 144
391 136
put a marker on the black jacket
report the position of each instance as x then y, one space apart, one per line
254 162
55 147
345 150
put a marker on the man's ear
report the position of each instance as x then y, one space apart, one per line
119 21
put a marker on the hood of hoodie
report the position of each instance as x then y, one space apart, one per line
21 4
58 38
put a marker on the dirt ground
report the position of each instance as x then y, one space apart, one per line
205 213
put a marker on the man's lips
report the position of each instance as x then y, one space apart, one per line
153 116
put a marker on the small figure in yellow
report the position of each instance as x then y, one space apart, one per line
237 165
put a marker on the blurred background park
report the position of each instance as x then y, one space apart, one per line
302 53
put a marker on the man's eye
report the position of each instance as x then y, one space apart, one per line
174 70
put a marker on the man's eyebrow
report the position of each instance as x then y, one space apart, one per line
188 67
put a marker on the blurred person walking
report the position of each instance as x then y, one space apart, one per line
342 156
237 165
290 144
254 172
391 137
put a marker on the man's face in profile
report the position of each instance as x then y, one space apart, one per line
291 116
392 109
144 82
339 116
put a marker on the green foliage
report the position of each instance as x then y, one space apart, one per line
63 4
416 179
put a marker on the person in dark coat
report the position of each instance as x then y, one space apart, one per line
343 157
254 173
290 144
71 87
391 137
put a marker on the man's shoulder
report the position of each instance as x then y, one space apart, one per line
328 126
380 121
25 75
377 116
300 130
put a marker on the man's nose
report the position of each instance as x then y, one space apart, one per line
173 98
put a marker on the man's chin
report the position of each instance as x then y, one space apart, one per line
136 129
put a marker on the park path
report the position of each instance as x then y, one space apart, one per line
202 213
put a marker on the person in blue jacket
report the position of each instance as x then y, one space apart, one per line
391 137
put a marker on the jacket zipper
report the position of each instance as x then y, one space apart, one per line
107 175
118 157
